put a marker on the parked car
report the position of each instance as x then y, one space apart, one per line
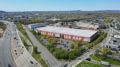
88 59
65 65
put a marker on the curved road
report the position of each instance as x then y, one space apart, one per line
12 51
6 59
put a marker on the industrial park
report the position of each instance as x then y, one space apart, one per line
55 34
61 43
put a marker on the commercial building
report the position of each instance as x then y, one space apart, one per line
68 33
87 25
37 25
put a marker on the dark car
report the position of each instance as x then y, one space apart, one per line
31 62
9 65
65 65
114 40
88 59
14 37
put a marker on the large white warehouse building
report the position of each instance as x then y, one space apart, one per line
68 33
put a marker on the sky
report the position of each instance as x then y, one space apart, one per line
58 5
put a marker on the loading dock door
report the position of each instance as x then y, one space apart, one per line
57 35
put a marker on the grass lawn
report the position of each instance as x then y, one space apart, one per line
87 64
39 59
110 60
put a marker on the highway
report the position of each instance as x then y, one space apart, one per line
12 51
6 59
45 54
21 56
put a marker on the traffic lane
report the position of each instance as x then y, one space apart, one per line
25 58
1 56
8 51
6 54
2 61
46 55
48 58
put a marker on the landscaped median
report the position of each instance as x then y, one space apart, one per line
24 42
87 64
22 30
37 56
107 59
35 53
23 36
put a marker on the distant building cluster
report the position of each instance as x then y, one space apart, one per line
87 25
81 25
53 19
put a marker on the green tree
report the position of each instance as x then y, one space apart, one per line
71 55
76 44
104 51
52 40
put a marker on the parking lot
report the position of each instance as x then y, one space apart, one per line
61 43
64 44
114 42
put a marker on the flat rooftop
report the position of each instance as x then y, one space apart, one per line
68 31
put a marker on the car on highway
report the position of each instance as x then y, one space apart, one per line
9 65
15 50
31 62
16 53
65 65
14 37
114 40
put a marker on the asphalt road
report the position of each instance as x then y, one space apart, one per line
21 56
12 51
6 58
45 54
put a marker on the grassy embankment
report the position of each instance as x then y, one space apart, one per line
35 53
87 64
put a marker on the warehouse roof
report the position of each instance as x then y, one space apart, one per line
68 31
